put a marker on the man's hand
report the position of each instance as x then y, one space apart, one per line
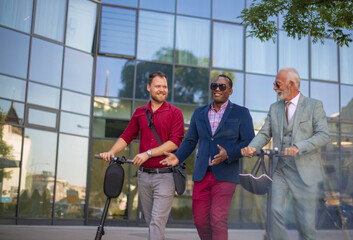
171 160
248 151
106 156
291 151
220 157
140 158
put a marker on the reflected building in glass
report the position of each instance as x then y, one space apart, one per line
72 72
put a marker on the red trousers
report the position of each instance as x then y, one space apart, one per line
210 207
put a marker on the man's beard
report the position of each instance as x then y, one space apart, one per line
284 94
158 100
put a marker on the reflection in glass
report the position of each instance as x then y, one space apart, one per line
294 53
44 118
138 104
346 63
10 156
75 102
81 23
70 191
192 41
97 199
38 172
156 36
227 10
112 107
347 103
259 93
114 77
11 112
329 99
46 62
191 85
227 48
118 31
43 95
187 111
324 60
14 48
261 57
12 88
199 8
50 19
304 87
143 71
158 5
78 71
128 3
258 119
16 14
75 124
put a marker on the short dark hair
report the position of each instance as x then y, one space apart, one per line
229 80
155 74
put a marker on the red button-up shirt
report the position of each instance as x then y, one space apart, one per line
169 123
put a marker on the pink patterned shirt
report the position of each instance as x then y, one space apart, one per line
215 116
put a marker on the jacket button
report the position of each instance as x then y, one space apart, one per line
212 139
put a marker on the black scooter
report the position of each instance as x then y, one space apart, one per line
113 184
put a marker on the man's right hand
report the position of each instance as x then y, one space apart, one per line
171 160
106 156
248 151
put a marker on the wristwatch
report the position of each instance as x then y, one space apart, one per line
149 153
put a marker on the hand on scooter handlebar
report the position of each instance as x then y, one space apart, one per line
115 159
288 153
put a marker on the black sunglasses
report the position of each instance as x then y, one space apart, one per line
221 86
276 84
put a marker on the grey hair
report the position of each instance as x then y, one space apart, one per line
292 75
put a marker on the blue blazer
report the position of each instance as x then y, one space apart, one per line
234 132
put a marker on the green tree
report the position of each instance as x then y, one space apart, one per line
318 18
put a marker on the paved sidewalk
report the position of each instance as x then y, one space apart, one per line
19 232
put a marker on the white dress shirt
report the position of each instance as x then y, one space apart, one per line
292 106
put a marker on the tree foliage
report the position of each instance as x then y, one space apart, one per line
318 18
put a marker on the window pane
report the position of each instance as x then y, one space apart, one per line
118 31
238 85
71 177
11 112
347 103
38 172
46 62
294 53
199 8
261 57
44 118
109 128
112 107
114 77
128 3
50 19
75 124
156 36
14 48
187 89
192 41
78 71
259 87
324 60
10 156
330 98
143 71
227 46
158 5
12 88
81 23
44 96
304 87
346 64
187 111
258 119
227 10
75 102
16 14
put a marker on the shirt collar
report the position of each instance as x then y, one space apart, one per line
223 107
295 100
164 107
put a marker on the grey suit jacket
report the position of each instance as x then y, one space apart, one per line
310 133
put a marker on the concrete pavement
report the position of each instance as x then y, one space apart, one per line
29 232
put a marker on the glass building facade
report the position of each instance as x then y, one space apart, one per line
72 72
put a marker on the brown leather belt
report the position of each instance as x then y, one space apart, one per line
156 170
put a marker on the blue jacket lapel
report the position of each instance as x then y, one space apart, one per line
207 121
224 118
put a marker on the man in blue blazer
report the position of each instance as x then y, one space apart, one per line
221 129
298 127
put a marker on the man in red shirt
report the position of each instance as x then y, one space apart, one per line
155 181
